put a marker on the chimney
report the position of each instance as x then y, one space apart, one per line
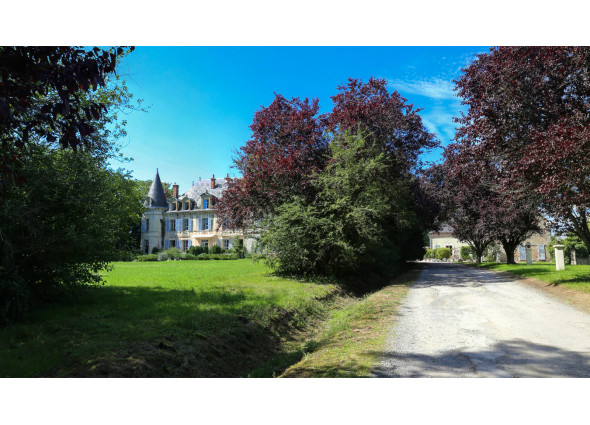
175 190
213 182
227 176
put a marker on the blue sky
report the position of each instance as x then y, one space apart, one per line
202 99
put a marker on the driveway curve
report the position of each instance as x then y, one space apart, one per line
459 321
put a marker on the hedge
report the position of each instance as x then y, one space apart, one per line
443 253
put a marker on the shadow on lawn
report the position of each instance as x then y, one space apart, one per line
148 332
513 358
577 279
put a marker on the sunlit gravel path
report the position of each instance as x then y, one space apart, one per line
459 321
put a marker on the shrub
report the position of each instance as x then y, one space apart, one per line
188 256
147 257
155 250
215 249
429 253
196 250
573 242
240 250
218 257
465 253
443 253
171 254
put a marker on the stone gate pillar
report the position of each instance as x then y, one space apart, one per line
573 257
559 258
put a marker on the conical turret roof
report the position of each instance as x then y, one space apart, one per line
156 193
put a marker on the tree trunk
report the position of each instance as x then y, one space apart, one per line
479 254
509 248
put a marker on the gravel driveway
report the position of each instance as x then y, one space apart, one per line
460 321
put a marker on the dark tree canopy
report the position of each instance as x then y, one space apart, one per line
64 213
287 147
482 201
387 117
42 98
335 194
529 107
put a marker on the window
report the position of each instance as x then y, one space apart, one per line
172 225
185 245
205 224
205 204
172 243
147 225
226 244
241 242
205 244
146 246
186 206
185 224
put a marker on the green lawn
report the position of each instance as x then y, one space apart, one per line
573 277
189 318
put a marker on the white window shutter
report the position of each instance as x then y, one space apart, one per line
189 243
190 224
167 244
143 225
210 224
167 225
179 224
231 244
199 224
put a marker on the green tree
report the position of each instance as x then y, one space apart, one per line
362 222
64 212
67 221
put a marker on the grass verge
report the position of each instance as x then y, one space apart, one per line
167 319
571 285
352 339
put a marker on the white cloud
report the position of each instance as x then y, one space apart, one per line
435 88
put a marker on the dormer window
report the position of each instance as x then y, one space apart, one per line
205 204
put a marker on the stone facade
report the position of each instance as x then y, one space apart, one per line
444 238
187 220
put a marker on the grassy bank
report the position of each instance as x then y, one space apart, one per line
571 285
190 318
573 277
352 340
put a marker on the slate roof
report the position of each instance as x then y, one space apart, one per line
157 193
445 228
203 186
